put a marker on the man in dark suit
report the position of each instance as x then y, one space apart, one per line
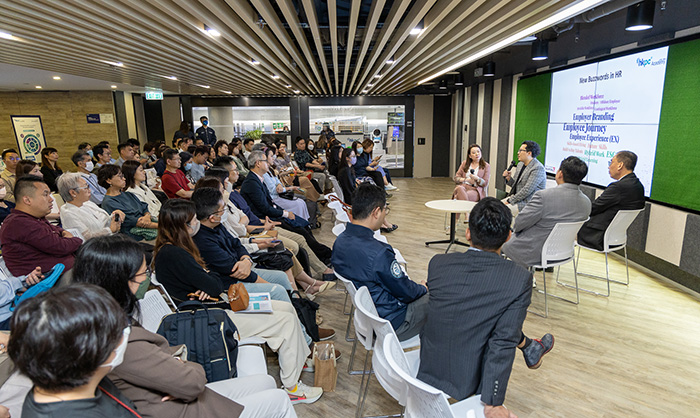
258 197
564 203
477 304
627 193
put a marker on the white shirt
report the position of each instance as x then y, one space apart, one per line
89 219
234 226
146 196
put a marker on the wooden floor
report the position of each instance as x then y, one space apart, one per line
635 354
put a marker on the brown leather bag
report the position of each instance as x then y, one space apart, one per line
238 297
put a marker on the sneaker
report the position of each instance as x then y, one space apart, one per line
390 187
325 334
302 393
308 366
537 349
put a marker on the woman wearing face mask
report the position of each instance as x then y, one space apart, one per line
5 207
160 383
29 167
349 182
186 165
135 179
93 333
137 222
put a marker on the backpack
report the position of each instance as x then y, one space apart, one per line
44 285
306 311
208 334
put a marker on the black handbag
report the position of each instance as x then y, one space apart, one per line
306 311
271 260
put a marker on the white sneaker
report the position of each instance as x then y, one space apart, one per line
309 366
390 187
304 394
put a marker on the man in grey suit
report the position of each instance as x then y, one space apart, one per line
477 304
529 177
564 203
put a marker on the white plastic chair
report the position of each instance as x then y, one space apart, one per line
557 250
615 238
336 187
370 328
338 229
423 400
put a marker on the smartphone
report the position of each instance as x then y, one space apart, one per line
116 217
257 231
302 190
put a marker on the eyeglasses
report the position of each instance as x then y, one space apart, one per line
218 212
14 158
81 188
387 209
146 273
522 150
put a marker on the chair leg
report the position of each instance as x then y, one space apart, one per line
546 308
352 360
348 338
593 276
364 384
546 303
345 304
627 270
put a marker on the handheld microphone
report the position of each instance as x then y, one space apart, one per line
471 170
510 167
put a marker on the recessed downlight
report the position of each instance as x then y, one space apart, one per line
56 77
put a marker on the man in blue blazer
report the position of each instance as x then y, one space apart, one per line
258 197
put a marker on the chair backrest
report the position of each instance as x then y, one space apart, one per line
349 286
153 308
379 237
559 246
341 216
616 234
155 282
422 400
337 188
364 317
338 229
392 383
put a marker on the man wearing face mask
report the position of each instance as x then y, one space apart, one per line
199 160
205 133
82 160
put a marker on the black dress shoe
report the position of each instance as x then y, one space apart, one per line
329 277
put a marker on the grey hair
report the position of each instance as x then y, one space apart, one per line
67 182
254 157
258 147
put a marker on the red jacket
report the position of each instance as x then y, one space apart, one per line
28 242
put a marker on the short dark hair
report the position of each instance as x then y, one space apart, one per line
203 117
489 223
99 150
223 161
105 173
84 145
208 181
120 147
220 173
573 169
105 143
8 151
365 199
25 186
533 147
248 141
202 149
170 153
627 158
191 149
111 261
297 139
206 200
78 156
129 170
61 337
134 142
149 146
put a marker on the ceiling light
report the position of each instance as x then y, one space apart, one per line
365 91
528 38
573 10
418 29
490 69
275 76
212 32
443 84
38 87
170 77
114 63
297 91
640 16
377 76
254 62
459 81
56 77
113 86
370 85
289 86
226 91
6 35
390 60
540 50
204 87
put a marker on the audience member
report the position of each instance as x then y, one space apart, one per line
67 341
368 166
306 162
275 188
148 156
28 239
398 299
236 152
126 153
311 149
183 132
248 144
136 145
137 222
161 382
50 168
184 144
205 133
81 213
257 196
8 177
472 177
5 205
103 155
135 179
9 285
477 305
334 157
564 203
29 167
626 193
283 160
82 160
199 160
175 184
327 131
529 178
181 270
87 147
109 147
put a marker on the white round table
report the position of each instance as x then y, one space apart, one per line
453 207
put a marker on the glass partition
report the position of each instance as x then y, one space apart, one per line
384 124
229 122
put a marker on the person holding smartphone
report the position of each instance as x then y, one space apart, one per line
82 214
367 165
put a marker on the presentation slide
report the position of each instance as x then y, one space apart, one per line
605 107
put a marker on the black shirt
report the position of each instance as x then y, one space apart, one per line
50 176
102 405
179 272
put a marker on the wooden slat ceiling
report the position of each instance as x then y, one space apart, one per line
311 47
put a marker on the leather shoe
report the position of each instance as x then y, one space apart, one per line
537 349
326 333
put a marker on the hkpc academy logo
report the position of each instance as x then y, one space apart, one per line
642 62
32 143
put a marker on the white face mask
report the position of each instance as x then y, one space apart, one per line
89 166
359 150
3 193
119 351
311 146
194 227
229 187
224 216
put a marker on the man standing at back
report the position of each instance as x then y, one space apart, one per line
205 133
365 261
478 302
564 203
627 193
